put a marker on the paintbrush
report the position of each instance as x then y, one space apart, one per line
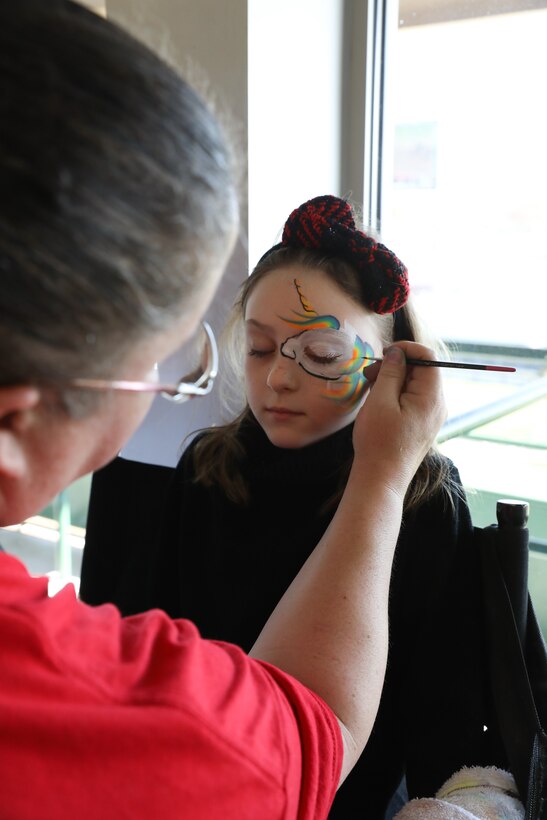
461 365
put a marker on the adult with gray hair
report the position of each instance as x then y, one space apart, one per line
118 214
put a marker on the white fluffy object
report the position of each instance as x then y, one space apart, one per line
472 793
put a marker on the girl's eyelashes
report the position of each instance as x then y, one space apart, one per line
253 351
320 357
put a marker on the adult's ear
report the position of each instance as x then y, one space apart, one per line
17 406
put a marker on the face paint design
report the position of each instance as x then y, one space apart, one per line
326 351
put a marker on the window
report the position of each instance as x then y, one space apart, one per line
461 181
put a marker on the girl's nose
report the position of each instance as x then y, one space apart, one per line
282 376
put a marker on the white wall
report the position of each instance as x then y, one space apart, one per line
207 40
295 86
275 70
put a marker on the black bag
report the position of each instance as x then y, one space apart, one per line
517 653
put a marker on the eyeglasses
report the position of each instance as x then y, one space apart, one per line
199 360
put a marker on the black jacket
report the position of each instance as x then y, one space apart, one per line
196 555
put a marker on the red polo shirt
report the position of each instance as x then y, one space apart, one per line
109 717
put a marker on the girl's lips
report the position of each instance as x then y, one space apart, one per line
282 412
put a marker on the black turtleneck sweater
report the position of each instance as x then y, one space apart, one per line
196 555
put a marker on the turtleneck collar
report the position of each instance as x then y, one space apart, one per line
312 463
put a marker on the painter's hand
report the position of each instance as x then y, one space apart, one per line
401 417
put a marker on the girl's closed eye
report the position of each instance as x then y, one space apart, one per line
259 352
258 344
321 357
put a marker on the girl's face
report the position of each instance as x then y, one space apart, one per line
306 344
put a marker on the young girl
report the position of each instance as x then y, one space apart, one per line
250 499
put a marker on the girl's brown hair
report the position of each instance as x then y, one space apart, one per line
218 455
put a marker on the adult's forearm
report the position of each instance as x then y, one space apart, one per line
330 629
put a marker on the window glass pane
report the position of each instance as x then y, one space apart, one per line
465 179
463 201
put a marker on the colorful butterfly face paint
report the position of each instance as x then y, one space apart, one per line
330 352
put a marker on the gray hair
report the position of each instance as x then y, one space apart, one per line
118 192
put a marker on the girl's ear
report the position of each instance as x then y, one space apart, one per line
17 405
